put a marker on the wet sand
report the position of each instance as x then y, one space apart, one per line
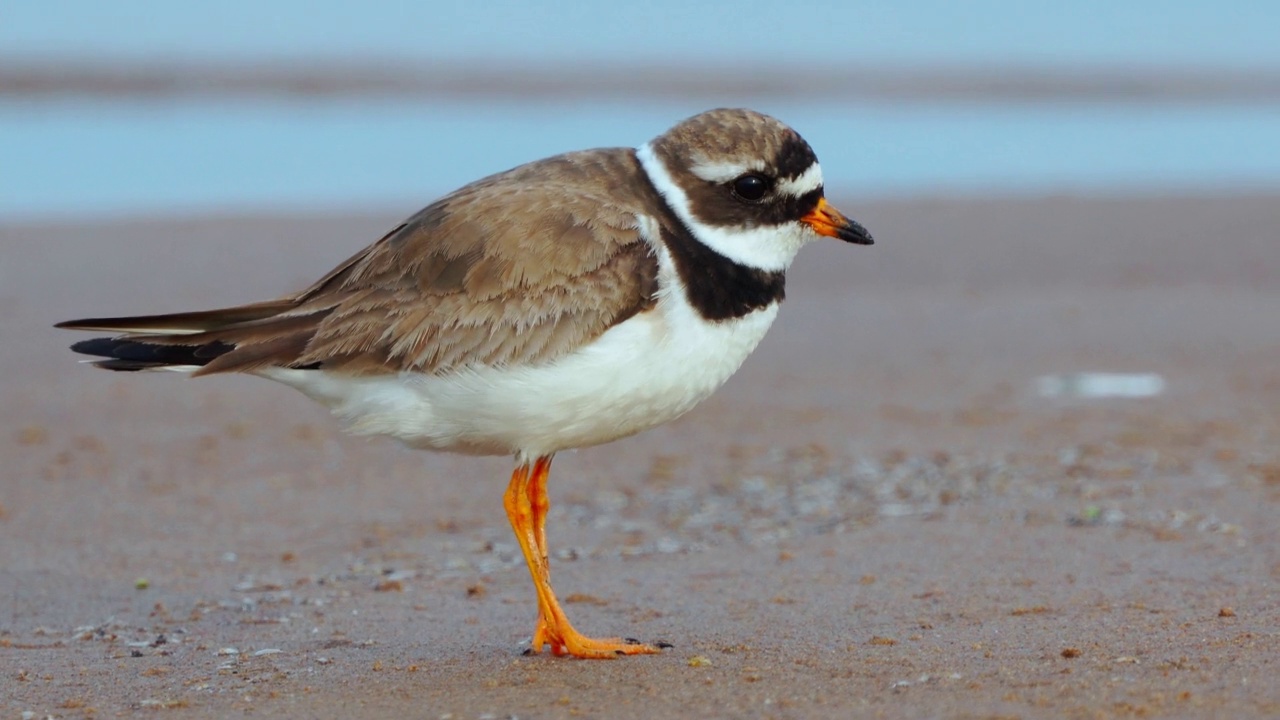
877 517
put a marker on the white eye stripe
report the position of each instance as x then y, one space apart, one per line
805 183
723 172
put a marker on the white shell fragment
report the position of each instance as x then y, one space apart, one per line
1096 385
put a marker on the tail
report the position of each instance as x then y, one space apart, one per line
241 339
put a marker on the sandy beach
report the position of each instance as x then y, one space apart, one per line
879 516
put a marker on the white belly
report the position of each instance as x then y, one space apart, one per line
646 371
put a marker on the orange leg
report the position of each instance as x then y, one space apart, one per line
526 502
539 503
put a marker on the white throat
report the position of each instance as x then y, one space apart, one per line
770 248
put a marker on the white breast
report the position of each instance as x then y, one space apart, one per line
646 371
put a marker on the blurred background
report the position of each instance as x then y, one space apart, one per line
1044 408
140 108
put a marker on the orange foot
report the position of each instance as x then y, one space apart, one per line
564 640
526 502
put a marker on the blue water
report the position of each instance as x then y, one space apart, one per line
1198 33
79 159
82 158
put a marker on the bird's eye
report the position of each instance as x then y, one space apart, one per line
751 187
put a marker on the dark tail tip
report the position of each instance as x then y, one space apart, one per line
129 355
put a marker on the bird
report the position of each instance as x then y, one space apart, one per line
562 304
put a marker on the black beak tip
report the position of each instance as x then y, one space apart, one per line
856 234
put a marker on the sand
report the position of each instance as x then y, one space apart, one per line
879 516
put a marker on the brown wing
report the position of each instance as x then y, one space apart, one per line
519 268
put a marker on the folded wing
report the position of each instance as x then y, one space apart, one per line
512 270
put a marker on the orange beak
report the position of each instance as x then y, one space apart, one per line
828 221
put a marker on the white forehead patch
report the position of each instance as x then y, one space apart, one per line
807 182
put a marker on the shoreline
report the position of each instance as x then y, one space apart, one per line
326 78
388 211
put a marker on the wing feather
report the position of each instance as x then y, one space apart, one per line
519 268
